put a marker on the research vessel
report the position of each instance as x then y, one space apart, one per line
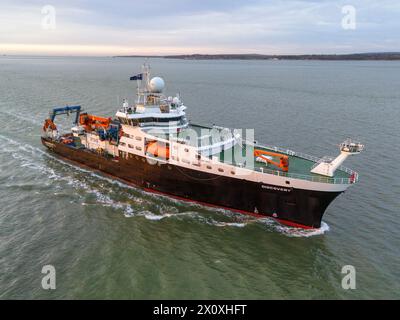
152 145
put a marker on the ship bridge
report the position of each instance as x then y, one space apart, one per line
152 110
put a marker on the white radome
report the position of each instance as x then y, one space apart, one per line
156 85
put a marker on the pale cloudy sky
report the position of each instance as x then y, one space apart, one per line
113 27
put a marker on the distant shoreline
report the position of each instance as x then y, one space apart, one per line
390 56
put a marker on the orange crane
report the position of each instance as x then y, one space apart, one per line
283 159
91 122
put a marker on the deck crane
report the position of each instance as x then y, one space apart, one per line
49 123
283 159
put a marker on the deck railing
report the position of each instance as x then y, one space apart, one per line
320 179
314 178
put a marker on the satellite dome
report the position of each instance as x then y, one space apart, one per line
156 85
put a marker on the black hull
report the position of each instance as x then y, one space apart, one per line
295 207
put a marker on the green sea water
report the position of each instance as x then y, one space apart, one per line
108 240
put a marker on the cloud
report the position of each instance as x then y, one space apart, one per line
176 26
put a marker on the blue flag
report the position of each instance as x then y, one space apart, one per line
137 77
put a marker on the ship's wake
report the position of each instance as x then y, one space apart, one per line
97 190
292 231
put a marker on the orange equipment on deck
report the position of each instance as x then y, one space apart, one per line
283 159
49 124
158 149
91 122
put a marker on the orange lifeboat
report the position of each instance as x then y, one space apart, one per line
91 122
158 149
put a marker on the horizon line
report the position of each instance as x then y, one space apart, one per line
197 54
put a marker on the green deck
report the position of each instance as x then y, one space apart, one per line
299 165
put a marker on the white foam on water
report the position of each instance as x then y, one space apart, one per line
128 212
292 231
215 223
18 117
157 217
230 224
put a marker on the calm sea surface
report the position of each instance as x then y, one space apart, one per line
108 240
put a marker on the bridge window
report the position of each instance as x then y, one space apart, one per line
145 120
133 122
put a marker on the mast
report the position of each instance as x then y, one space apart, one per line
144 83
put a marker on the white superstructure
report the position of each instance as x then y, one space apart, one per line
155 127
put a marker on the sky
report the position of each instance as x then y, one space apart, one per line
162 27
